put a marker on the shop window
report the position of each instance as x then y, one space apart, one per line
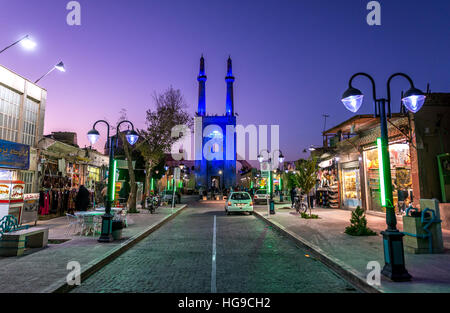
350 187
30 116
9 113
400 174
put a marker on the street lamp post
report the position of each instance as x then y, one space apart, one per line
26 42
93 136
413 100
270 180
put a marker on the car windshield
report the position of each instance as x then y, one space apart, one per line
240 196
260 192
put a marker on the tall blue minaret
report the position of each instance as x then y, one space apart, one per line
230 80
201 89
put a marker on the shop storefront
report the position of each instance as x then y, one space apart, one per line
327 193
400 173
351 184
14 158
74 173
93 176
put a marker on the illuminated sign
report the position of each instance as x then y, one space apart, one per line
381 172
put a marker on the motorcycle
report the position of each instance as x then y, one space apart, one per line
301 203
152 203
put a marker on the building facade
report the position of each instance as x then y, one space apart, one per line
22 111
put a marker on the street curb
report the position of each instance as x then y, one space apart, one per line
62 287
334 264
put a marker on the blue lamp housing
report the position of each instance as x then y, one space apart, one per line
93 136
413 100
132 137
352 99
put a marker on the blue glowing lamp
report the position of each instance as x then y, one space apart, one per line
352 99
413 100
260 158
132 137
93 136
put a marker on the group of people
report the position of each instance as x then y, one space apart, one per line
298 192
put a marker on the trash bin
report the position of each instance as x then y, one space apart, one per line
422 230
272 206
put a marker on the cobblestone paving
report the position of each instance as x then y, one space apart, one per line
251 257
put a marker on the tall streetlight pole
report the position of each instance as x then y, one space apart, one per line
93 136
26 42
413 100
270 180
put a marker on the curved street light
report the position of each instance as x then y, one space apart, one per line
60 67
93 136
413 100
25 41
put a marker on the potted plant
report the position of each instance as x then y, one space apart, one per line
117 227
358 224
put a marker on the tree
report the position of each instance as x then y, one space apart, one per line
128 149
306 176
157 137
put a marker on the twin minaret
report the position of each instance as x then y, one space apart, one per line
202 89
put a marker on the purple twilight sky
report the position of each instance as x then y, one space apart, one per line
292 58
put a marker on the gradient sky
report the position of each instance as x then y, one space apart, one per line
292 58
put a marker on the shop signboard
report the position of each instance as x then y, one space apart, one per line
326 163
14 155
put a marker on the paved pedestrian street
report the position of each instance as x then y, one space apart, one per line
204 250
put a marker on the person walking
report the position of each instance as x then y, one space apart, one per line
82 199
293 194
311 197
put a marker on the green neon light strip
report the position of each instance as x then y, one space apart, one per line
113 191
152 184
381 171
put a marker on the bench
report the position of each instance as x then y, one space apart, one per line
15 238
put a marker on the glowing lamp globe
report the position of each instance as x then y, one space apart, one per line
281 158
413 100
93 136
352 99
132 137
28 44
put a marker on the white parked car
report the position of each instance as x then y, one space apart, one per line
239 202
261 196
